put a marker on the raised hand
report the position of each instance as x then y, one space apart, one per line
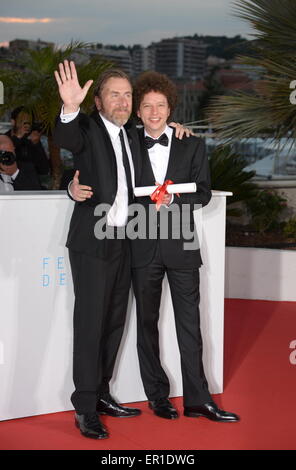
70 91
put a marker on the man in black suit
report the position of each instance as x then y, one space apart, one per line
104 152
15 176
182 161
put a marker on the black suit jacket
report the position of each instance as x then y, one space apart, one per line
26 152
187 163
27 178
88 139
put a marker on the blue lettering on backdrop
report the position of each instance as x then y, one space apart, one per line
62 279
45 280
49 275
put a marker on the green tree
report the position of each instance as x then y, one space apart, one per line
265 209
268 108
213 87
32 83
228 173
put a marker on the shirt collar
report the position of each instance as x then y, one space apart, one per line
112 129
168 131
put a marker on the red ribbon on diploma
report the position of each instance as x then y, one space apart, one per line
158 195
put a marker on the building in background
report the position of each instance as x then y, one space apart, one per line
120 58
188 61
181 58
189 96
19 45
143 58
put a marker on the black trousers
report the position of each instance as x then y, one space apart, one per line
101 288
184 286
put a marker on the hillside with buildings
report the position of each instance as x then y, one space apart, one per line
201 66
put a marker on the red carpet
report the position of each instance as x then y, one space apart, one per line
260 385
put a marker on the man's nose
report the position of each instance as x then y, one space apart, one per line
123 101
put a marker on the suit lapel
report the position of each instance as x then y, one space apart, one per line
134 143
147 175
174 158
110 154
132 135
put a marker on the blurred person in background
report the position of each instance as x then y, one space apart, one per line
15 176
26 137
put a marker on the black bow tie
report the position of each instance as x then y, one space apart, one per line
162 140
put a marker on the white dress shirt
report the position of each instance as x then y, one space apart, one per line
159 157
117 216
6 182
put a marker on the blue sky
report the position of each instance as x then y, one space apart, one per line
116 22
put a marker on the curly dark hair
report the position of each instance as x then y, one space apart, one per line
155 81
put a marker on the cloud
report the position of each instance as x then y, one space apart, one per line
10 19
112 22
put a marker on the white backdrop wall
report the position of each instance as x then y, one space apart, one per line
263 274
37 305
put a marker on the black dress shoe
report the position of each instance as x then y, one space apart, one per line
163 408
108 406
90 426
211 411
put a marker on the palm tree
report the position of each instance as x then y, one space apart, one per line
228 171
33 84
268 108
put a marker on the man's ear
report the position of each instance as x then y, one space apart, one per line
98 103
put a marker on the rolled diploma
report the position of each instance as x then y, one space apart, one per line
171 189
